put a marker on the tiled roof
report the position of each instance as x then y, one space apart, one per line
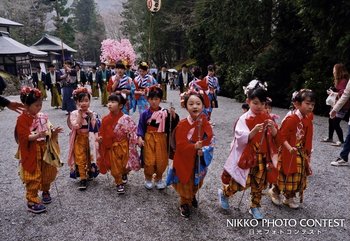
9 46
7 22
51 43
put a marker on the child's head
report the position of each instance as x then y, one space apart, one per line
194 103
257 99
155 95
245 107
268 105
143 68
211 70
197 72
32 99
82 98
115 103
120 67
305 101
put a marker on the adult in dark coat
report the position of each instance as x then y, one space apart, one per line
69 84
81 75
53 83
103 76
39 79
163 80
92 78
185 77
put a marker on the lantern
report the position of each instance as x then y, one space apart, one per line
154 5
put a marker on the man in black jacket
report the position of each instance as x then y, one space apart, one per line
53 84
81 76
185 77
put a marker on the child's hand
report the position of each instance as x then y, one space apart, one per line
99 139
141 142
198 145
293 150
80 111
258 128
57 130
271 125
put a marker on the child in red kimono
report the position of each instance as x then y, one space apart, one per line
193 153
153 133
255 135
294 161
118 140
35 133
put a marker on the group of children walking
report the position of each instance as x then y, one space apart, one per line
262 154
98 146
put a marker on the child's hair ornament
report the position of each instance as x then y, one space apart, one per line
80 90
26 91
253 85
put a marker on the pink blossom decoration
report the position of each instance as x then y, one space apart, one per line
113 51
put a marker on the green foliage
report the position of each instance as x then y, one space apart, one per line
30 13
166 30
90 30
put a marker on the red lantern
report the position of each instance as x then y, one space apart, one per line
154 5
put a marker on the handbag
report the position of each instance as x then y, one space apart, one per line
331 99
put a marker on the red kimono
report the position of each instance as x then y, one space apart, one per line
297 131
27 148
106 132
186 135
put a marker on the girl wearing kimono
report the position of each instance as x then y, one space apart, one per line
193 153
121 83
140 87
83 154
254 137
294 160
38 150
118 140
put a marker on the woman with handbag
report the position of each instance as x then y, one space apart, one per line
341 78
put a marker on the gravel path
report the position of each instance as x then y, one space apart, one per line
100 214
